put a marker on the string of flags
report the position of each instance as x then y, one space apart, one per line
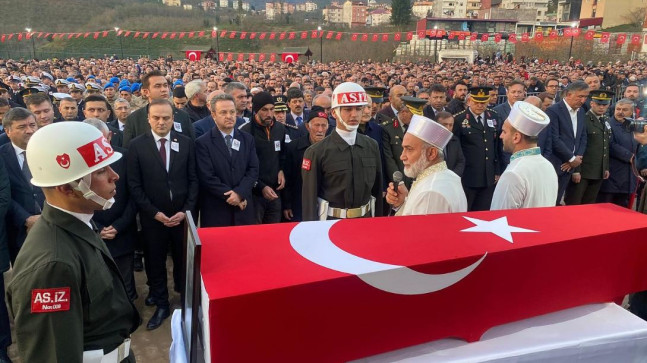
605 37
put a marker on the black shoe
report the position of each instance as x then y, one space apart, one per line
158 318
138 263
149 300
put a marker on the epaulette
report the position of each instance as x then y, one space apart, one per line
291 126
491 110
460 113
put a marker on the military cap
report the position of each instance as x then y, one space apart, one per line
316 112
136 87
31 91
280 103
91 76
480 94
125 88
601 96
414 104
14 79
47 75
71 79
109 85
178 83
114 80
375 93
61 82
60 95
32 81
74 87
92 86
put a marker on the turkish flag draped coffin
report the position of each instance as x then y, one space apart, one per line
340 290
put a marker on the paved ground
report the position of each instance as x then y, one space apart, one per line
149 346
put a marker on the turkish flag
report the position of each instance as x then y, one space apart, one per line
201 34
241 57
77 35
105 33
366 286
461 36
252 35
354 37
451 35
635 39
290 57
589 35
364 37
440 33
421 34
604 38
485 37
329 35
409 35
375 37
497 37
191 34
338 35
164 35
539 36
138 33
262 36
397 37
474 36
304 35
69 36
127 34
221 57
243 35
512 38
621 38
272 57
232 35
193 55
173 35
84 35
252 57
291 35
525 37
576 32
214 34
40 34
552 34
568 32
119 32
645 42
282 36
261 57
385 37
146 35
96 35
2 38
230 57
432 33
314 34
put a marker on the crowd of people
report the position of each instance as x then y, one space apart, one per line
243 143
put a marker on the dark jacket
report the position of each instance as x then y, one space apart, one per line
196 113
291 194
392 135
455 106
565 145
454 156
481 148
5 204
219 172
137 124
270 150
622 148
595 160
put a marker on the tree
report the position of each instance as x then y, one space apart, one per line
401 12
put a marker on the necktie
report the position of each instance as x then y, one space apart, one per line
25 167
299 120
480 121
163 151
228 142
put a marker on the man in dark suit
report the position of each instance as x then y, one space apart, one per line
26 199
228 169
453 151
457 104
516 91
437 101
122 111
5 204
117 224
96 106
297 115
568 133
390 112
163 182
154 87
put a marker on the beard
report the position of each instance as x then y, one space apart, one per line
413 170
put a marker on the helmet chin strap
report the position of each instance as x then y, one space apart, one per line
347 126
84 187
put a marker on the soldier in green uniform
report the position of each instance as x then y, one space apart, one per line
393 133
67 296
342 174
587 178
476 128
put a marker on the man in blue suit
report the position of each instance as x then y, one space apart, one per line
568 133
26 199
228 169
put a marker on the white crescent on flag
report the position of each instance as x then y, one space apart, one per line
312 241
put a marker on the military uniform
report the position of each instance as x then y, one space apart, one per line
343 175
595 161
480 144
67 295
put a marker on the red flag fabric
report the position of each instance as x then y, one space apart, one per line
232 35
338 35
96 35
105 33
230 57
375 37
364 37
485 37
69 36
635 39
201 34
221 57
589 35
552 34
539 36
291 35
282 36
385 37
605 37
252 57
146 35
315 34
290 57
512 38
576 32
191 34
397 37
19 36
568 32
461 36
84 35
525 37
451 35
272 57
304 35
119 32
272 35
252 35
329 35
136 35
440 33
497 37
262 36
409 35
40 34
243 35
432 33
164 35
354 37
241 57
173 35
214 33
645 42
261 57
421 34
127 34
621 38
182 34
2 38
473 37
193 55
223 33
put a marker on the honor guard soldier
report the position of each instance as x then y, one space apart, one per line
342 174
394 133
476 128
67 296
587 178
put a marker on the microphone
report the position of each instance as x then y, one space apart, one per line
397 178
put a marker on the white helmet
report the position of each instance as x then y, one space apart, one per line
65 152
349 94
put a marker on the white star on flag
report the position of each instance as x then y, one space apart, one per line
499 226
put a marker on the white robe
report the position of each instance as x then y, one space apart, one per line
529 181
436 190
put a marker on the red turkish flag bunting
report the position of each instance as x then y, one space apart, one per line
69 36
181 35
621 38
525 37
589 35
375 37
96 35
252 35
440 33
304 35
84 35
146 35
409 35
105 33
473 37
119 32
461 36
364 37
451 35
329 35
127 33
262 36
354 37
497 37
241 57
635 39
552 34
232 35
136 35
2 38
315 34
173 35
539 36
605 37
243 35
432 33
485 37
576 32
201 34
385 37
252 57
191 34
338 35
221 57
214 33
272 36
421 34
164 35
568 32
28 35
512 38
40 34
282 36
230 57
397 37
261 57
291 35
272 57
645 39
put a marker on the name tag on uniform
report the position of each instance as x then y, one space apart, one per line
50 300
175 146
177 126
490 122
606 123
277 145
235 144
287 139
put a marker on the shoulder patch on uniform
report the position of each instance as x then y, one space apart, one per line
460 113
492 110
50 300
306 164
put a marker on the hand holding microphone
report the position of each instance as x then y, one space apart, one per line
397 192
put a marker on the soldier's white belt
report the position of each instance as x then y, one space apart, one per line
116 356
349 212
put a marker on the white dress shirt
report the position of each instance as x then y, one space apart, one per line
19 155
